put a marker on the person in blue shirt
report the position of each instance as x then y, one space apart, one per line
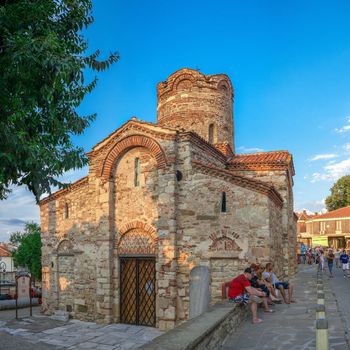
344 258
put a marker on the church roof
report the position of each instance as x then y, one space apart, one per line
224 148
262 161
136 124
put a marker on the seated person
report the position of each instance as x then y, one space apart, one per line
282 286
240 291
258 282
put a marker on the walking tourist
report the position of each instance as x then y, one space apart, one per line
240 291
282 286
330 260
344 258
322 258
336 258
309 256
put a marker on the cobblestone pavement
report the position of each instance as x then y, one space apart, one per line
292 326
41 331
341 287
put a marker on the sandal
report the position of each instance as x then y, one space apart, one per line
256 321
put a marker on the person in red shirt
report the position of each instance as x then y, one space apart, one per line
240 291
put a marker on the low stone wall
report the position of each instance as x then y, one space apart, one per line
205 332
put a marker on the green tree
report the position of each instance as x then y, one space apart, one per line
340 194
42 64
28 253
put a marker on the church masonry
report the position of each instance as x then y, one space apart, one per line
159 200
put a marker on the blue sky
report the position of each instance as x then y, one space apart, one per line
289 62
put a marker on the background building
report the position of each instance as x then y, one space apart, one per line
6 260
329 229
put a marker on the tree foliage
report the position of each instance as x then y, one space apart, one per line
340 194
28 253
42 64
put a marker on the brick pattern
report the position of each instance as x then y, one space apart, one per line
136 126
189 100
124 145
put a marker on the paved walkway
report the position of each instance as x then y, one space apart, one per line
341 288
292 326
46 333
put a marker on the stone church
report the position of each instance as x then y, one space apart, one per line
161 199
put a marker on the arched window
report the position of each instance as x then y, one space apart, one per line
223 202
211 133
66 211
137 172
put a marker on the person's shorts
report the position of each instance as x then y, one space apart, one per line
346 266
284 284
245 299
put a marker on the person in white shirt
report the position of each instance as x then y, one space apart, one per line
282 286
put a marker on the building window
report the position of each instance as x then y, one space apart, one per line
66 211
137 172
211 133
322 226
338 225
223 202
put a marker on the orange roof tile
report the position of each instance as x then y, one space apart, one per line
338 213
274 159
4 252
224 148
304 215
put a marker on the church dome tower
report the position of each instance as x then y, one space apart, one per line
196 102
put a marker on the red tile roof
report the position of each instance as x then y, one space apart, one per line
262 160
339 213
4 252
304 216
224 148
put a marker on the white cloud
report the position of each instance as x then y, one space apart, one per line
323 156
333 171
244 149
344 128
347 147
16 210
20 206
311 207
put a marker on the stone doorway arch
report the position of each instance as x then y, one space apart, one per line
136 249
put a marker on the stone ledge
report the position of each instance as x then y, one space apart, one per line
207 331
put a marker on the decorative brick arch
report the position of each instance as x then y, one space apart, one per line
65 246
137 237
186 77
126 144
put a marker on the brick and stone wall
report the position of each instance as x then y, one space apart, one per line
283 183
174 212
193 101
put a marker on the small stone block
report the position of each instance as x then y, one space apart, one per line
322 323
320 308
320 295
